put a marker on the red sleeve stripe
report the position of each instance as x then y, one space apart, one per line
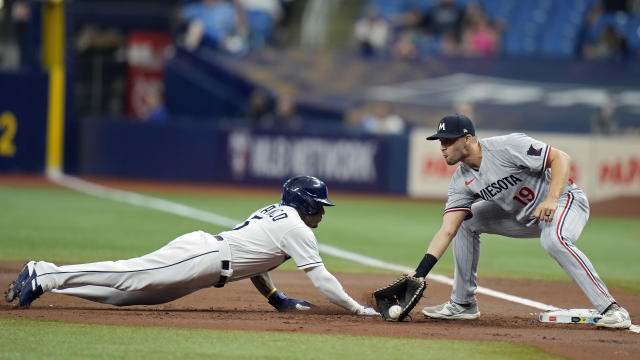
456 209
546 158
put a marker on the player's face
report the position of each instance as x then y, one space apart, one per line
312 220
453 150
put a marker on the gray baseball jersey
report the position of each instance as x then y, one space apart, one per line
514 173
513 179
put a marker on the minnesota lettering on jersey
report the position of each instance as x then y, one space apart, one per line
497 187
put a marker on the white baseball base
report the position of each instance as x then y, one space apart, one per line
571 316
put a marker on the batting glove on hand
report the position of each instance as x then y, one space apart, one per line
367 311
282 303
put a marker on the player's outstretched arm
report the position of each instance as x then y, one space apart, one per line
451 222
276 298
331 289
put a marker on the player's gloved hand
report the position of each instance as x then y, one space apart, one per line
367 311
282 303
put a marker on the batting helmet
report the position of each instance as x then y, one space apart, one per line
305 193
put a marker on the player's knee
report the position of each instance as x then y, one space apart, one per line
550 245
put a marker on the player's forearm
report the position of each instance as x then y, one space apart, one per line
450 223
560 164
440 242
437 247
263 283
331 289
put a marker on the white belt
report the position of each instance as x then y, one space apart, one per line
225 259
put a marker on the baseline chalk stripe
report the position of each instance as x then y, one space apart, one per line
171 207
141 200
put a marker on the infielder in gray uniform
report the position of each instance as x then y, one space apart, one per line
515 186
270 236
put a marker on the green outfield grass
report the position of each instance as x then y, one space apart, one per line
66 226
57 340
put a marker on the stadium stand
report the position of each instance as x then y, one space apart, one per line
542 28
538 66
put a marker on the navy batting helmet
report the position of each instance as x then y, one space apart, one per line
305 193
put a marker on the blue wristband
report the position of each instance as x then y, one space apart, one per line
277 299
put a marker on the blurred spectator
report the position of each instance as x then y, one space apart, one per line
604 122
258 107
610 45
281 34
438 31
411 40
616 5
214 23
449 44
381 120
445 17
21 17
406 45
261 17
588 31
371 33
284 115
154 109
479 36
418 38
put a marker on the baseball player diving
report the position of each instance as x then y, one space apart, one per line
268 237
514 186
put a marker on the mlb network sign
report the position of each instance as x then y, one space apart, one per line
264 157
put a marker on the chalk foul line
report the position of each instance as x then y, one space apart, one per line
175 208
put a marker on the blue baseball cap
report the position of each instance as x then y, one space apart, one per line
453 126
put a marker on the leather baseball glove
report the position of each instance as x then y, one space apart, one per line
405 292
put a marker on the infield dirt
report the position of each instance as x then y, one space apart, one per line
239 306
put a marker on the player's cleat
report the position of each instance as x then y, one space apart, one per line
31 290
453 311
16 287
615 317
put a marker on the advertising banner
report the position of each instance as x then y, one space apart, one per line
262 157
147 53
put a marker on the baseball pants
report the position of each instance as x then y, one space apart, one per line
186 264
557 238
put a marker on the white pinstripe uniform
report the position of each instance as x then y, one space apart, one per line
196 260
513 179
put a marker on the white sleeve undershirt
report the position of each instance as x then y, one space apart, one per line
331 289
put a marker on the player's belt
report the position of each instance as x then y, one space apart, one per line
225 255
